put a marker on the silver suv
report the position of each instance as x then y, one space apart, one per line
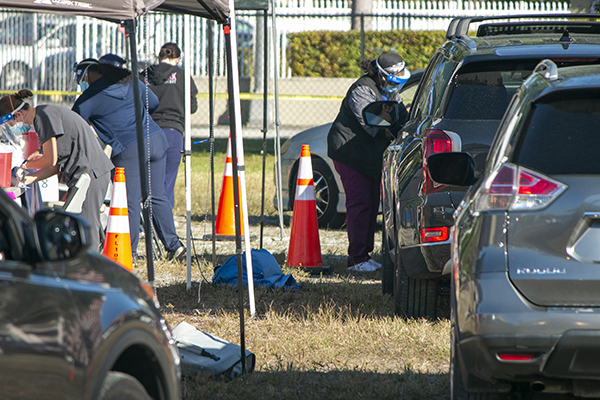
525 255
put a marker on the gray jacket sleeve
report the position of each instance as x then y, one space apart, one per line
360 97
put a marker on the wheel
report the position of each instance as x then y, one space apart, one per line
15 76
414 298
326 195
387 265
118 385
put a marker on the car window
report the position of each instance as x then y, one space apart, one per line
440 84
481 91
423 92
560 137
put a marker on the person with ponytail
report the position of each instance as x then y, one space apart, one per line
69 148
166 80
107 104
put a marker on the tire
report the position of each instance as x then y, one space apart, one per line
117 386
414 298
327 195
387 265
15 76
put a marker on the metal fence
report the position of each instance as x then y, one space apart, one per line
38 51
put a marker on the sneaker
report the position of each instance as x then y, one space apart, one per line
374 263
364 266
178 255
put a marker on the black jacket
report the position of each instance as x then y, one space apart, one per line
167 83
349 144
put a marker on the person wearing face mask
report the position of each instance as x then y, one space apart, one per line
108 105
81 72
357 152
69 149
166 80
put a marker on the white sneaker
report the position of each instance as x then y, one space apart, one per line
364 266
374 263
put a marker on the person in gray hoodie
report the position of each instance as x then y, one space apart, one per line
108 105
165 79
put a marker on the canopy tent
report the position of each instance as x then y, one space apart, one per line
125 12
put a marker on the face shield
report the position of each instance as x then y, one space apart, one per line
8 126
394 77
80 71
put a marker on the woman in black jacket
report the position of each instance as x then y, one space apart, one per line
165 79
357 152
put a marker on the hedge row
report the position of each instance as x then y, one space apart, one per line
337 54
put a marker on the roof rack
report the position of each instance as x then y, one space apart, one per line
460 26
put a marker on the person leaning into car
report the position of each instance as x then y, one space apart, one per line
357 151
69 148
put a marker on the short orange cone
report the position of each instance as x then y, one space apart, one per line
117 243
225 224
305 249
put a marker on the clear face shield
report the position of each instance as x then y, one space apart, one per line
80 77
394 78
10 128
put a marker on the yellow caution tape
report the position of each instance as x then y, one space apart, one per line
243 96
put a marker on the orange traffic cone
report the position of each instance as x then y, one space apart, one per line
305 249
117 243
225 224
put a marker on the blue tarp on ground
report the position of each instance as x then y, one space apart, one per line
265 269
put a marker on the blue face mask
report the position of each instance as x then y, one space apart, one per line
20 128
84 86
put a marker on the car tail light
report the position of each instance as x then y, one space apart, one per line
516 188
516 357
437 141
432 235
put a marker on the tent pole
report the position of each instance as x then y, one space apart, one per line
265 119
188 147
236 198
277 122
211 113
146 199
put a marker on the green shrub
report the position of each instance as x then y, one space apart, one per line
329 54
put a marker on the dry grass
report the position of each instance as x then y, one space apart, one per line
334 339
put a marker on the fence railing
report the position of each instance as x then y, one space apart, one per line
38 50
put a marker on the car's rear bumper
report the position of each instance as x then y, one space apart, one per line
563 343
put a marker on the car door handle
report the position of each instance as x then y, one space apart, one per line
591 215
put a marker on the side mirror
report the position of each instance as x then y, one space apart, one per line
457 169
61 236
381 114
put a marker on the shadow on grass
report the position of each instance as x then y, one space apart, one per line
290 384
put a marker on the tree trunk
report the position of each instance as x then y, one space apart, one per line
362 7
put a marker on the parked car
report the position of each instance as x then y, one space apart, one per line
74 324
525 252
458 107
329 192
28 45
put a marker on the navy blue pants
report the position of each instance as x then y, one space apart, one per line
362 206
175 140
162 212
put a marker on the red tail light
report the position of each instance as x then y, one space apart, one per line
515 357
432 235
436 141
517 188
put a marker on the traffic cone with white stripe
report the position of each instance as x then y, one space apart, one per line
117 243
305 249
225 224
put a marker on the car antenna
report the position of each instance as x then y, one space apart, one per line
565 39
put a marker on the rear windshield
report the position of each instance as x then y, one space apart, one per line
483 90
561 137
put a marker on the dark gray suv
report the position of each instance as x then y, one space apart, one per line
525 252
458 106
